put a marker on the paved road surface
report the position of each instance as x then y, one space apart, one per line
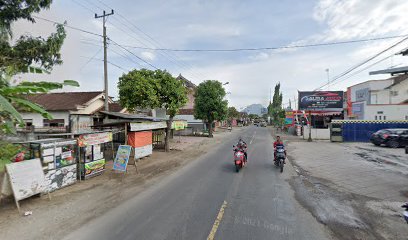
256 203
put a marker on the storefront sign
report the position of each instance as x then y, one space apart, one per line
179 125
321 100
143 126
94 167
94 138
122 158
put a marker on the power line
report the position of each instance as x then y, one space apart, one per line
120 29
362 63
68 26
111 63
269 48
127 50
152 41
91 59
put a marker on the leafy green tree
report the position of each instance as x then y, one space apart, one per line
275 107
210 104
25 54
253 116
232 114
153 89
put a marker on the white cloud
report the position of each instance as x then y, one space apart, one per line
205 30
148 56
357 19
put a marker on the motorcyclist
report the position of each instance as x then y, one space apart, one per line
277 143
242 146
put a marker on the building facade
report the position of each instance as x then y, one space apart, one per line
74 112
379 99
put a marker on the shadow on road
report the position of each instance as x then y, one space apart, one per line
228 167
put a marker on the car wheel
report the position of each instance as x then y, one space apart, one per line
377 144
393 144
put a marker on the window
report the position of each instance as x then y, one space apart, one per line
375 117
379 117
53 123
380 112
385 117
28 122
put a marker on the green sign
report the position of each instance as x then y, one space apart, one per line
94 167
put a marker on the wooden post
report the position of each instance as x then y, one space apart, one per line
126 134
134 160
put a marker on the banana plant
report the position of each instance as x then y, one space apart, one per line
13 99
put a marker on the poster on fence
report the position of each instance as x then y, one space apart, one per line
122 158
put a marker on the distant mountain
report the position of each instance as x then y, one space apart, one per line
257 109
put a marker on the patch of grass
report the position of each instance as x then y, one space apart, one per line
3 164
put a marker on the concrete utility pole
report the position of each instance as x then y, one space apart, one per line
105 58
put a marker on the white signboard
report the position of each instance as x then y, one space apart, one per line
143 151
26 178
142 126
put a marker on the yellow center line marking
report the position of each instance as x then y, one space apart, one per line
217 221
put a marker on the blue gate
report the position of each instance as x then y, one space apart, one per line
361 130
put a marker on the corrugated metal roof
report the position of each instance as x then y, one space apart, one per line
391 71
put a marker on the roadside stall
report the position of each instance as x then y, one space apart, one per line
92 153
58 160
140 137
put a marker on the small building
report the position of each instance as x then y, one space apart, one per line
73 112
385 99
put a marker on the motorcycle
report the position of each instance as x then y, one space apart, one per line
280 157
405 206
239 158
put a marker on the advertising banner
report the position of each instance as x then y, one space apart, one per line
94 138
358 110
94 167
179 125
321 100
122 158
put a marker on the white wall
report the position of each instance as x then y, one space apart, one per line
373 85
38 119
317 133
391 112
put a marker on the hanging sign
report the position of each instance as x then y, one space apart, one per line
94 138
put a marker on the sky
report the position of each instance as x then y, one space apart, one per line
227 24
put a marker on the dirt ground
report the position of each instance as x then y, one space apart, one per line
73 206
356 189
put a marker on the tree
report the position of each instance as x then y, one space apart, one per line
232 113
253 116
275 107
26 54
210 104
153 89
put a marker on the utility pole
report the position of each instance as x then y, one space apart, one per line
105 58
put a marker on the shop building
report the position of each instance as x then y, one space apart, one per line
380 100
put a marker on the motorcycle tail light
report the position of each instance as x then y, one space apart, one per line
385 135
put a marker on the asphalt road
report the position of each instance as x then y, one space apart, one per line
207 199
